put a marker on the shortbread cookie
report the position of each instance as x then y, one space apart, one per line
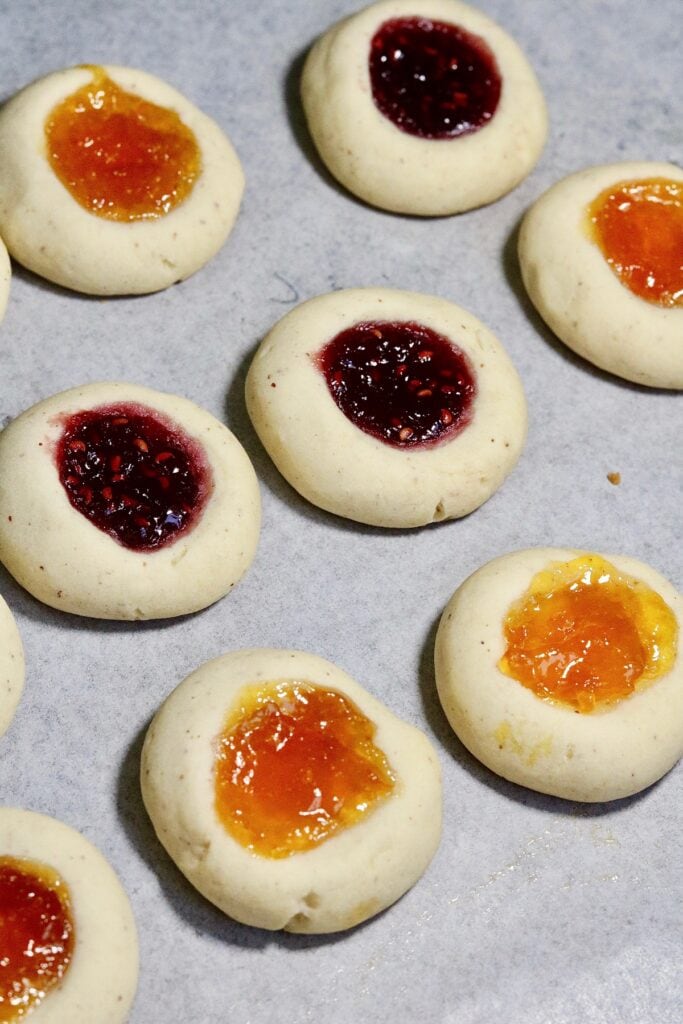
288 795
69 943
561 670
120 502
423 106
145 206
5 276
601 258
11 666
387 407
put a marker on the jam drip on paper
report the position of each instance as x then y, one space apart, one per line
638 226
120 156
433 79
36 936
400 382
133 474
296 763
587 635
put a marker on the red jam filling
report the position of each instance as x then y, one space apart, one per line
36 935
133 474
587 635
400 382
294 764
120 156
638 226
433 79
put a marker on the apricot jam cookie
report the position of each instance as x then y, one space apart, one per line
601 254
387 407
289 796
112 183
561 671
11 667
423 107
119 502
67 932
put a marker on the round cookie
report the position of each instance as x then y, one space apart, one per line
339 466
408 173
51 546
11 666
50 232
349 876
580 296
545 744
5 277
100 981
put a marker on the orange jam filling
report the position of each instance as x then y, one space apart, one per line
294 764
118 155
36 935
638 226
587 635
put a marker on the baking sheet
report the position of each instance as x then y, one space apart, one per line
534 909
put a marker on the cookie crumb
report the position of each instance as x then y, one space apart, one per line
614 478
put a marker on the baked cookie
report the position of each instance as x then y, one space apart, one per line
423 107
120 502
11 666
67 932
5 277
560 670
387 407
144 206
601 258
289 796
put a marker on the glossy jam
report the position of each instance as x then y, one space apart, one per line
36 935
294 764
120 156
638 226
586 635
433 79
400 382
133 474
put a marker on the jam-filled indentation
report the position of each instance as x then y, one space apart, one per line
638 226
400 382
587 635
294 764
133 474
433 79
120 156
37 935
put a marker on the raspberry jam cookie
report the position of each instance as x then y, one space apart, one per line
423 107
145 205
289 796
67 932
120 502
11 668
387 407
561 671
601 254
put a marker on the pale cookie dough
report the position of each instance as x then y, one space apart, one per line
5 277
49 232
11 666
100 982
393 170
349 877
61 558
339 467
581 298
549 747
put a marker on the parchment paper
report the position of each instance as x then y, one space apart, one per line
535 910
